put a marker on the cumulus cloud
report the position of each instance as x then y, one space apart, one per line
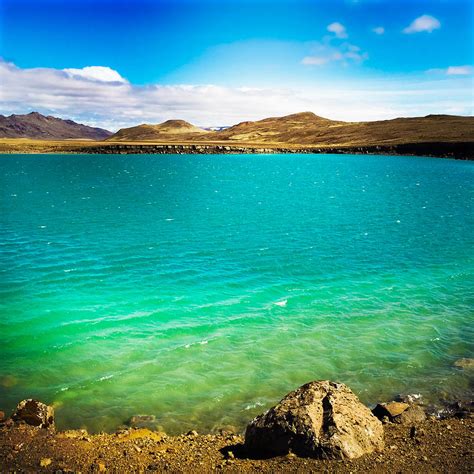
115 104
379 30
338 29
426 23
96 73
459 70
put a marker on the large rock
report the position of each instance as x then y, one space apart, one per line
321 419
34 413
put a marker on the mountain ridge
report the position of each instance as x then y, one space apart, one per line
46 127
304 128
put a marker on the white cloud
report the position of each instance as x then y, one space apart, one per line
338 29
117 104
96 73
459 70
453 71
314 60
345 53
426 23
379 30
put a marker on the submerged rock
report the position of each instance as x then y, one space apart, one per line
143 421
320 419
35 413
464 363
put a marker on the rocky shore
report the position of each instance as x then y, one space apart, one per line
320 427
461 151
454 150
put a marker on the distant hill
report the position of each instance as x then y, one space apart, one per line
169 130
306 128
38 126
309 129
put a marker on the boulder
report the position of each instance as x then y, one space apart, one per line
35 413
320 419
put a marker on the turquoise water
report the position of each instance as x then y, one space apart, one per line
201 289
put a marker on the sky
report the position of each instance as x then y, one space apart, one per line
218 62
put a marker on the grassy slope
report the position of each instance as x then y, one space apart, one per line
309 129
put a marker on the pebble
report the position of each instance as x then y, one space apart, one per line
45 462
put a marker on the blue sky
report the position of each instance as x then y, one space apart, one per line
347 59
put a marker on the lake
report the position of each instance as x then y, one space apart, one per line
203 288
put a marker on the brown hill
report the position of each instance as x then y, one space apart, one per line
171 130
35 125
308 129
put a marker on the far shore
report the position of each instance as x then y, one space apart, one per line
444 149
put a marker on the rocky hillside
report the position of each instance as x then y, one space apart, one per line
309 129
171 130
38 126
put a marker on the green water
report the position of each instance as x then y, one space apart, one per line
149 284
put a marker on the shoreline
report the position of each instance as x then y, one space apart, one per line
452 150
433 445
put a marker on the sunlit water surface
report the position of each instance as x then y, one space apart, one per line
201 289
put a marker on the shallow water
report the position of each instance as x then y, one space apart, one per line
201 289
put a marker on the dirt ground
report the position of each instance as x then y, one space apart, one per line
437 446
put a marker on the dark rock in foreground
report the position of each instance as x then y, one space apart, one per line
412 416
389 410
35 413
400 412
321 419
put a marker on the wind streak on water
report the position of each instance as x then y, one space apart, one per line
202 288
